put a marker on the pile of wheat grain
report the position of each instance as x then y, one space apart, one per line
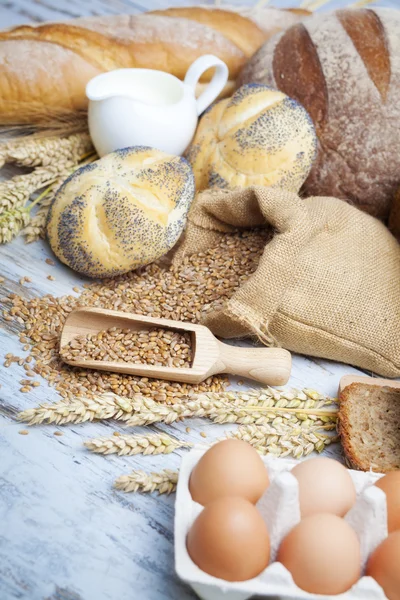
157 347
185 292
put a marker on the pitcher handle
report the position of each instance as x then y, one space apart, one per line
216 84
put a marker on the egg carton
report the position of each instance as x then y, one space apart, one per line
279 507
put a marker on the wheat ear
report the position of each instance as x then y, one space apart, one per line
128 445
52 160
254 407
282 441
164 482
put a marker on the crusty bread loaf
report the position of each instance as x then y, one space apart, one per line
44 68
345 70
257 137
369 425
121 212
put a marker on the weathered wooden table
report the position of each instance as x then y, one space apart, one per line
65 534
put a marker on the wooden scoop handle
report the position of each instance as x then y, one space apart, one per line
270 366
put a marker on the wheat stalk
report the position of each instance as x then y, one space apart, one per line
36 227
52 160
11 223
128 445
139 481
16 191
252 407
59 152
106 406
282 441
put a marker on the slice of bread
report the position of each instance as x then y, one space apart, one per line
369 425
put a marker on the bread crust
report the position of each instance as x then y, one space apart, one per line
344 427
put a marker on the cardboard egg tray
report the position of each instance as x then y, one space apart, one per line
279 506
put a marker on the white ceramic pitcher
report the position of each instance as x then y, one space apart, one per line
145 107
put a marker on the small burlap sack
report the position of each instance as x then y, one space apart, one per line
327 284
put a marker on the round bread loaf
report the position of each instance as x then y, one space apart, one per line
260 136
344 68
121 212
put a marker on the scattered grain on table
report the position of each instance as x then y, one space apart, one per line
51 262
24 280
186 292
23 432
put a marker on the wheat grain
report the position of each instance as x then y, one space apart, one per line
128 445
184 293
164 482
158 347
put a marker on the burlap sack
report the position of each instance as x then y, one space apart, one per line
328 282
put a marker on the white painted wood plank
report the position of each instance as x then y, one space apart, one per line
62 524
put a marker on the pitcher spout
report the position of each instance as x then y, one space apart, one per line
146 86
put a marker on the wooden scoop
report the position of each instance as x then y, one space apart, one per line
270 366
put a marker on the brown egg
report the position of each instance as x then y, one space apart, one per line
390 484
229 540
324 486
323 554
229 468
384 566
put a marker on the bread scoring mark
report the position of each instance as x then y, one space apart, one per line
70 229
91 46
248 89
298 73
366 31
273 130
215 180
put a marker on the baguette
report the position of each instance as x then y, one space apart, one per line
369 425
44 68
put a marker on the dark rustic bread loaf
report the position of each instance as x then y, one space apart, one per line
345 70
369 425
